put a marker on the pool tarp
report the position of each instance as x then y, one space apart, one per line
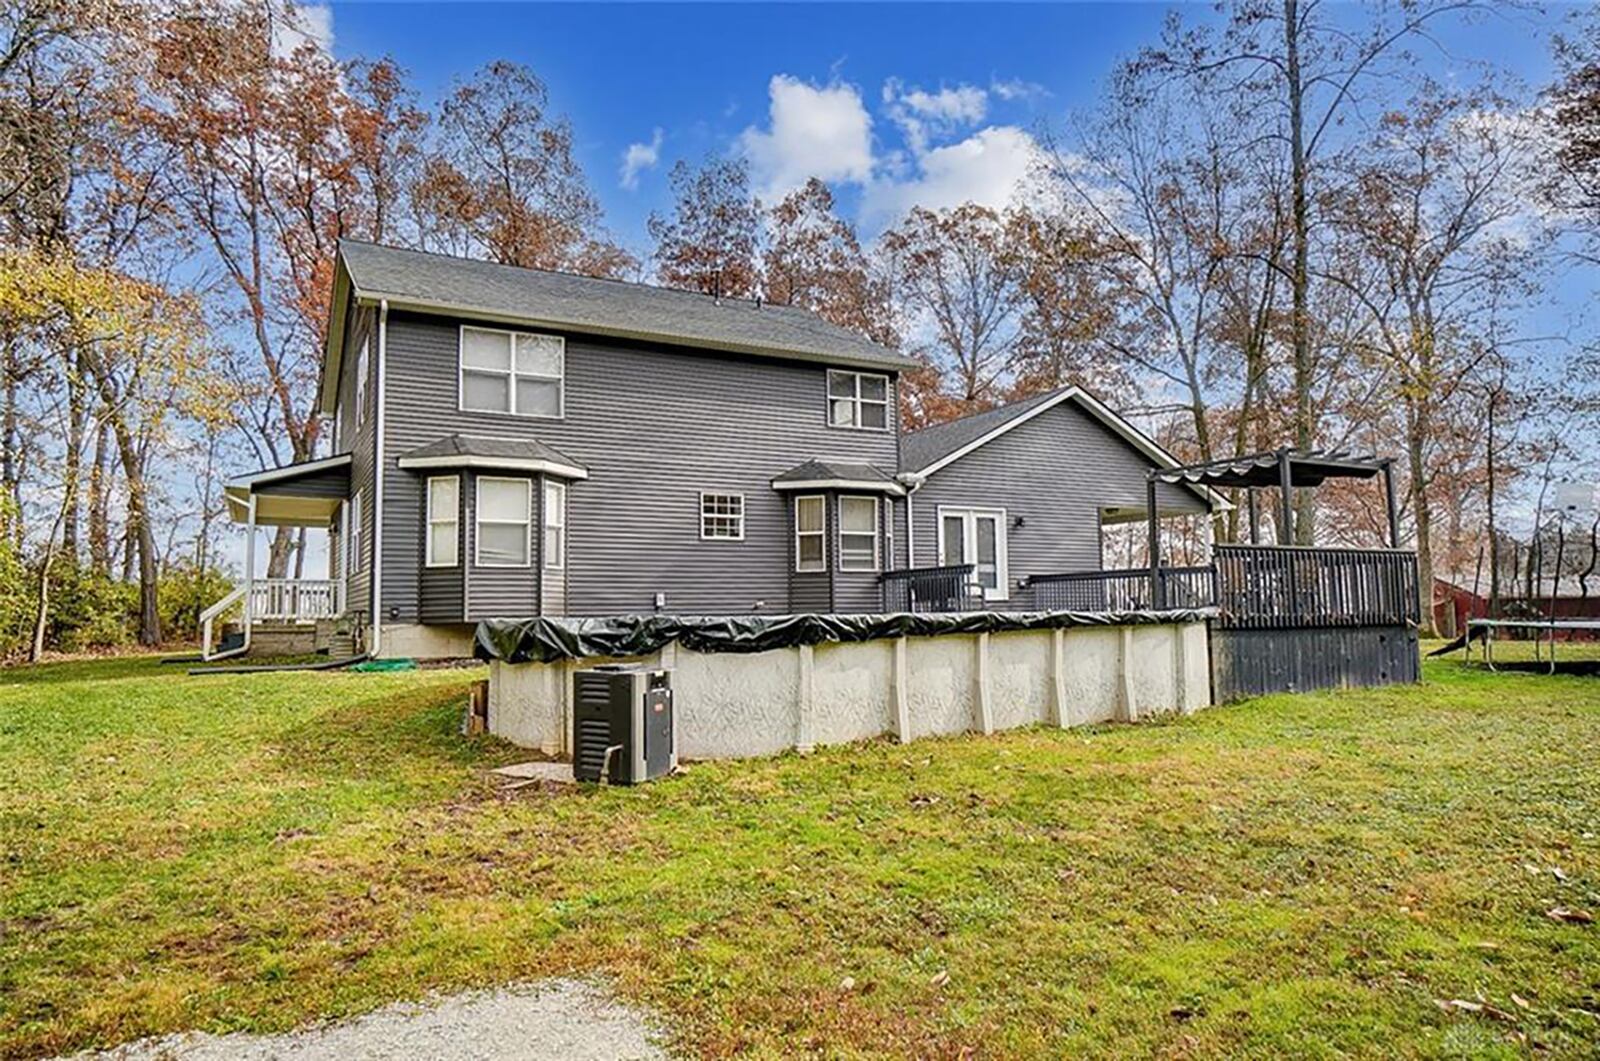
546 640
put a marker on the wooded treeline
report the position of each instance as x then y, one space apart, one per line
1273 230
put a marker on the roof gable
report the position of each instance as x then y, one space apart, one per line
924 452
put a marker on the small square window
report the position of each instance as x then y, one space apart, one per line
722 517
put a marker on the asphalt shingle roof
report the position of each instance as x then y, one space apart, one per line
611 307
816 470
524 449
922 448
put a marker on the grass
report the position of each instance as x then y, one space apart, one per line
1298 875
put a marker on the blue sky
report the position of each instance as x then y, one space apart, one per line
975 79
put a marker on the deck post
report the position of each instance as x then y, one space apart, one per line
1155 542
1286 486
1255 515
1394 512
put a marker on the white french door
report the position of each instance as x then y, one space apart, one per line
976 536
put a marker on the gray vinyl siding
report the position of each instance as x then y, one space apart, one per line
359 443
654 428
332 482
1056 471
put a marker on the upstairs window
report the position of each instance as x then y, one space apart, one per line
363 369
520 373
858 534
722 517
859 400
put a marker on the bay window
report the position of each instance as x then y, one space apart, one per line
505 522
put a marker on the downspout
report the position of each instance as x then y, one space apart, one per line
912 481
377 490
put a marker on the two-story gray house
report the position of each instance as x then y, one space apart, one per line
510 442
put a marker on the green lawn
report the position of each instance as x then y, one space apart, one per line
1318 875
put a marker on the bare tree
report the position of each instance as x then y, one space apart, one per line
711 243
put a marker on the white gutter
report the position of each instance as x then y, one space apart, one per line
377 493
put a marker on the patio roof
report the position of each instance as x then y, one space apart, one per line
307 494
1306 468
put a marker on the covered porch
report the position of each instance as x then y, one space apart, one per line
295 614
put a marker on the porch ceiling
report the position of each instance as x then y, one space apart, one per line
282 510
299 495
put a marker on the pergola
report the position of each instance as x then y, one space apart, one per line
1284 469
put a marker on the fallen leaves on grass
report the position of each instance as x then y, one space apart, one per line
1570 916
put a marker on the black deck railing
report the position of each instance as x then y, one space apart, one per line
931 589
1124 591
1288 587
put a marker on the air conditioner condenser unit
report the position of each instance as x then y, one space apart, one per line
622 725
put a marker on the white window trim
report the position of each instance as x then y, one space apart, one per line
1002 548
821 533
510 373
887 402
352 564
478 521
877 532
561 491
741 517
431 519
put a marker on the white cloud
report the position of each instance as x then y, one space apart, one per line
923 115
306 23
822 132
640 157
1015 88
992 167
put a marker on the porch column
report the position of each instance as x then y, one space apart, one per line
1255 515
249 567
1155 542
1394 511
1286 485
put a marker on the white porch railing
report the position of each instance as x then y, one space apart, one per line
296 599
282 599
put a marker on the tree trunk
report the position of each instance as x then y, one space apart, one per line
1419 427
1300 273
10 466
41 614
77 413
144 535
100 501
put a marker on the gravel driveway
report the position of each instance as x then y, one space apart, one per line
554 1020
